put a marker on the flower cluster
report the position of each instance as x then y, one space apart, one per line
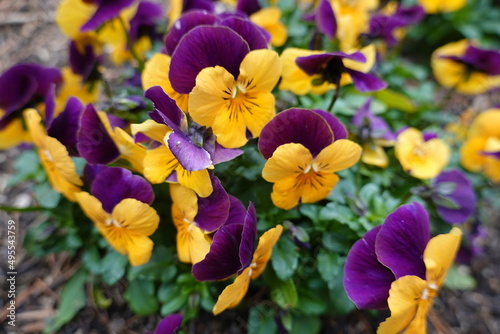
234 145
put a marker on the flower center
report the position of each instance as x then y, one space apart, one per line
429 292
48 155
110 221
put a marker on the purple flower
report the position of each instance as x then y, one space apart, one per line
477 59
106 10
315 129
331 67
193 146
454 196
23 86
386 253
144 21
110 185
383 26
170 324
84 61
232 247
370 126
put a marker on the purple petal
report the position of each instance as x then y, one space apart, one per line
116 122
213 210
366 280
205 5
248 30
365 82
222 260
82 64
248 238
237 212
25 83
314 64
94 142
428 135
402 239
325 18
106 10
248 7
205 47
377 125
113 184
166 109
491 154
222 154
144 21
170 324
90 172
463 195
487 61
65 126
338 129
190 156
184 24
301 126
50 105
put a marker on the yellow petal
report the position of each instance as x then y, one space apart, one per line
438 6
370 53
92 208
185 199
159 163
486 124
182 237
156 72
374 155
139 249
13 134
259 110
232 295
73 86
317 185
199 245
72 14
129 150
268 18
404 300
229 125
470 153
439 255
492 169
212 93
136 217
199 181
152 129
264 250
260 70
339 155
35 128
287 160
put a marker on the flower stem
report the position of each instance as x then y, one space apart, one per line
130 46
28 209
335 96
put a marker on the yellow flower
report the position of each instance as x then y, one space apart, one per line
298 176
126 228
234 293
410 297
156 74
13 134
421 159
234 107
269 19
54 158
299 82
483 137
192 243
438 6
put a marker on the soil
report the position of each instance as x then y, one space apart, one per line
28 34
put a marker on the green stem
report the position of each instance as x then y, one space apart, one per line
29 209
335 96
130 45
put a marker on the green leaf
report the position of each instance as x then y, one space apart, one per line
172 297
26 164
113 267
395 100
459 279
46 196
284 294
310 303
261 320
72 299
329 265
284 259
92 260
445 202
140 296
305 324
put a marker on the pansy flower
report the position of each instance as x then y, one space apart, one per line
119 207
169 325
454 196
54 157
196 217
304 149
466 68
236 108
389 23
438 6
481 149
397 265
374 133
307 71
421 156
